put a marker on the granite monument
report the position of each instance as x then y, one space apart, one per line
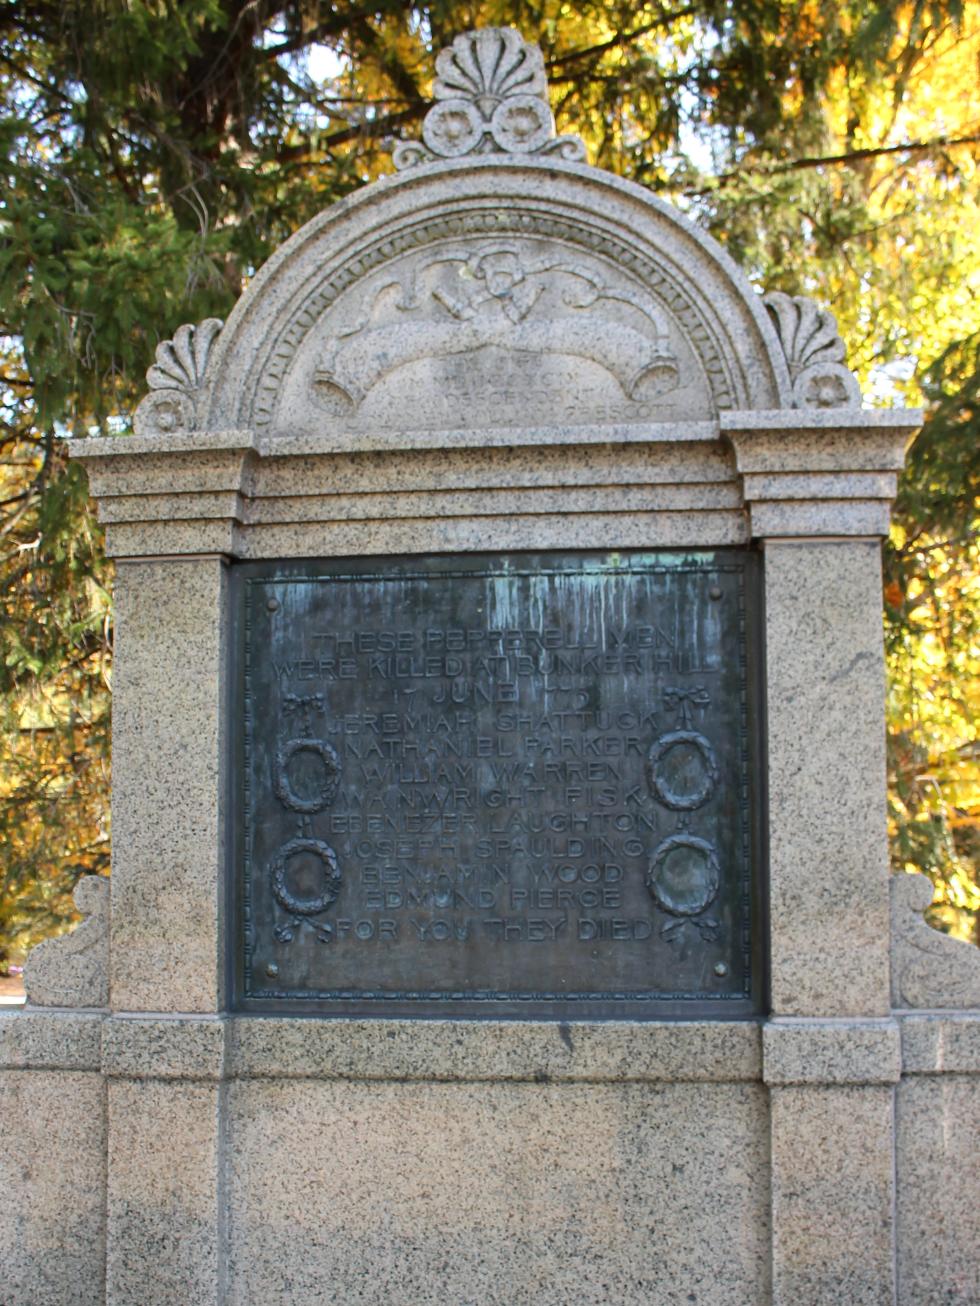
500 907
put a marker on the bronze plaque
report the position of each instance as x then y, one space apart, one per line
516 785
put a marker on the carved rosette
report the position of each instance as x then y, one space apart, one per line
491 98
457 301
814 352
175 380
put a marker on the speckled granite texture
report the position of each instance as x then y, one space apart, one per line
506 1195
169 755
828 857
938 1148
832 1196
53 1179
163 1203
73 971
498 352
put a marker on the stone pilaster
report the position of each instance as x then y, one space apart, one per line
817 492
170 752
831 1086
165 1207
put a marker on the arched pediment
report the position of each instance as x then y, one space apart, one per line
493 294
498 281
499 346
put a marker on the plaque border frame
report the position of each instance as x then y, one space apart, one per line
442 1005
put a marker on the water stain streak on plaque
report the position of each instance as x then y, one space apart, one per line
512 785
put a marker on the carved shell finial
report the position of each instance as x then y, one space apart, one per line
494 62
814 351
181 362
491 98
175 378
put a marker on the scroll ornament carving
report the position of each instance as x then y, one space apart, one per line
580 235
176 378
497 298
929 969
814 351
73 971
491 98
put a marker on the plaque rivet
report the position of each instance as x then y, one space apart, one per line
272 605
714 592
721 968
272 970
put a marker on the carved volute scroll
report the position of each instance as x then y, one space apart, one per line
491 98
73 970
814 351
929 969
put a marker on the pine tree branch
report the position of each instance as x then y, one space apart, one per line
828 160
623 38
371 129
402 79
335 25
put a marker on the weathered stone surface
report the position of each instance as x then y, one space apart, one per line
177 377
505 1195
800 474
832 1196
827 472
929 969
489 502
831 517
938 1214
164 1048
940 1044
52 1176
164 1209
494 353
132 540
435 534
814 352
491 97
494 1051
831 1052
500 294
827 847
73 970
169 754
299 499
32 1039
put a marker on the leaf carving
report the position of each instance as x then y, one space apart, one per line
489 64
181 362
814 352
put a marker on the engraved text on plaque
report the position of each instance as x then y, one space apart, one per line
513 785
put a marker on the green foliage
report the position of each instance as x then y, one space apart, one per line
154 153
932 624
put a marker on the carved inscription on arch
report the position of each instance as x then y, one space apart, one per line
508 784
